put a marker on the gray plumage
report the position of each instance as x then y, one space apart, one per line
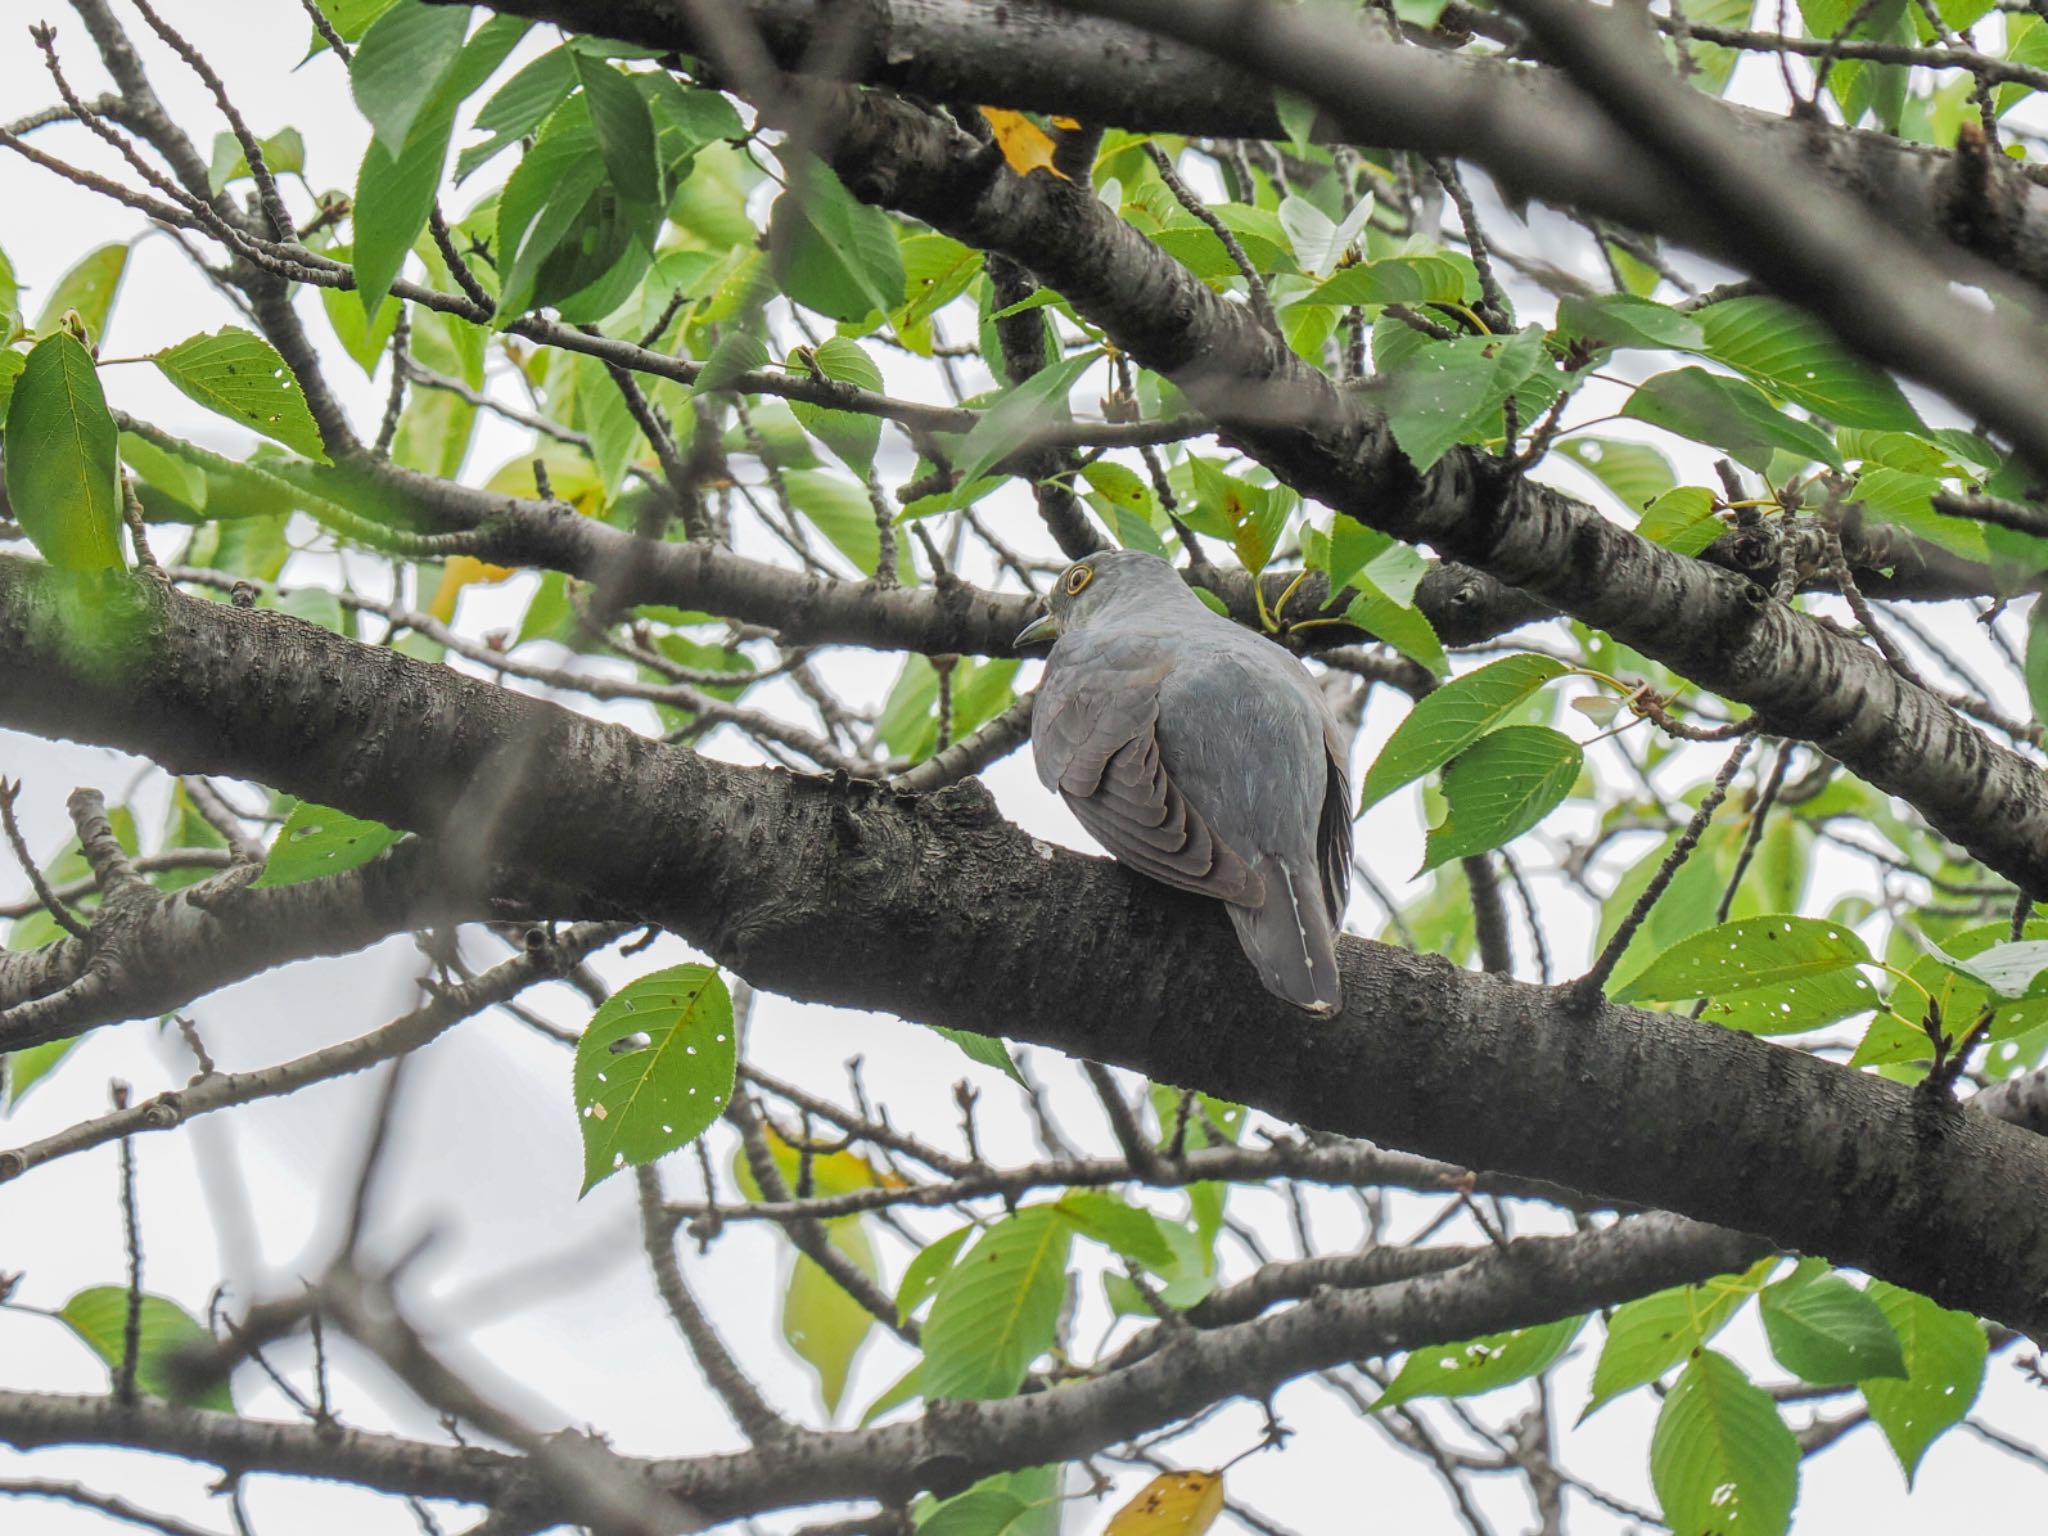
1203 755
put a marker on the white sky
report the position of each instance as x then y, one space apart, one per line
486 1153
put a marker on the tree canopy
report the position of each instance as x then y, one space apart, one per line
593 543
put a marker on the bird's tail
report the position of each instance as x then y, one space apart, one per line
1290 939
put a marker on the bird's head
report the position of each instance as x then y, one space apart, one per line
1103 583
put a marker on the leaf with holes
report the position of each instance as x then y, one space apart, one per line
1652 1334
318 840
240 375
654 1068
1796 1008
1500 787
1446 722
1172 1504
1824 1330
99 1316
1479 1365
1721 1458
1745 955
1944 1353
1448 391
62 451
996 1309
2011 970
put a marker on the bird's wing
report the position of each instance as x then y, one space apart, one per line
1333 834
1094 736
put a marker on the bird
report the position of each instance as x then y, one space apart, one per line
1201 754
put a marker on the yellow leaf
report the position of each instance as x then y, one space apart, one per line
459 572
1172 1504
1024 144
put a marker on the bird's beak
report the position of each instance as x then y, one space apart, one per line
1044 627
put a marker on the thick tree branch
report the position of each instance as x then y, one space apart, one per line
935 908
1527 126
1529 1281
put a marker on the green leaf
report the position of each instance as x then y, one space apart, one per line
1406 629
241 376
820 1321
1500 787
987 1050
1622 320
831 253
1944 1354
1637 473
394 196
653 1069
624 128
395 190
89 287
99 1316
978 1512
1124 1229
851 435
1813 1002
62 448
737 352
10 300
2011 970
30 1065
318 840
922 1275
1729 414
1480 1365
1019 414
11 364
1682 520
1446 722
1649 1336
1721 1458
841 511
401 63
351 18
1745 955
996 1309
1397 280
1791 354
1824 1330
1449 390
1350 546
284 152
520 106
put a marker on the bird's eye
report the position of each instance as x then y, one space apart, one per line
1077 578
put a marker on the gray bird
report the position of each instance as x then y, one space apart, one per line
1200 754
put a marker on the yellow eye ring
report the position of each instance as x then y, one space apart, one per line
1077 578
